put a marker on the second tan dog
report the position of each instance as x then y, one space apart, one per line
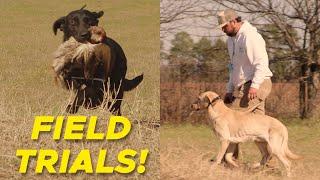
231 127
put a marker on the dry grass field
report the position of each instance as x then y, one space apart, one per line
187 149
27 87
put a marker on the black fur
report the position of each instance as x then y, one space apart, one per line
76 24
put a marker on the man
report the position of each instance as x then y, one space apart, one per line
249 82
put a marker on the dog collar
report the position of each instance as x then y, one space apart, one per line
214 100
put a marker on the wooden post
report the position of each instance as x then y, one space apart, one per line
303 93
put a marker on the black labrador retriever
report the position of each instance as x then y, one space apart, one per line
90 93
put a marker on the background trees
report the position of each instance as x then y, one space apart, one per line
202 60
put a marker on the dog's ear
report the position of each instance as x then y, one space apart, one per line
59 24
98 14
83 7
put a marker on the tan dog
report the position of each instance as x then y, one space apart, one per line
231 127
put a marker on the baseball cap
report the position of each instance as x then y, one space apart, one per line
225 16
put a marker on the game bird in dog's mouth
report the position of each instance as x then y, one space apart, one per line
232 127
88 55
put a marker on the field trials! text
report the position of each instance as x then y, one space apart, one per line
75 130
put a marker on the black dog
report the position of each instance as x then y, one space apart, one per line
76 24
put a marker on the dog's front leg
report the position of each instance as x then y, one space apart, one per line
222 151
73 105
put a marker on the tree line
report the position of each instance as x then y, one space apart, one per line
207 60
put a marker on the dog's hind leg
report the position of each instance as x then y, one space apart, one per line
116 91
263 147
275 143
116 105
282 157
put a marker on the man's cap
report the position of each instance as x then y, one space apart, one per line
225 16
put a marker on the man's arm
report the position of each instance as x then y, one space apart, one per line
258 57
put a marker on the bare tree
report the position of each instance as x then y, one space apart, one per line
177 15
300 15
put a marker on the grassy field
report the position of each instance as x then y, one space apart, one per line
187 149
27 87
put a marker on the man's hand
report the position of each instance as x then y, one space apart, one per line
252 93
228 98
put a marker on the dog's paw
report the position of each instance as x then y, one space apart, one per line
214 167
289 174
216 164
256 165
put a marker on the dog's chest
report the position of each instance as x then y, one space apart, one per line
219 128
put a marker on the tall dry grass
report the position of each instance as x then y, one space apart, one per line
176 99
27 88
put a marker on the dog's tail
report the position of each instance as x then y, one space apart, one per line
291 155
133 83
287 151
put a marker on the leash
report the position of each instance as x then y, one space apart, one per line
214 101
91 79
83 82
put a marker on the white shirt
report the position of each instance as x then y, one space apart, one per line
248 58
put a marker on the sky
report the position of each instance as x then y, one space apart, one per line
196 27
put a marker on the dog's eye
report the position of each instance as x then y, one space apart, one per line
72 22
93 22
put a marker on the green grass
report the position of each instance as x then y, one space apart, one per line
186 151
27 86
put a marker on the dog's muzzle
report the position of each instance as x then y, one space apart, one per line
195 107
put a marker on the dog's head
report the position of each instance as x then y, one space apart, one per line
205 100
77 24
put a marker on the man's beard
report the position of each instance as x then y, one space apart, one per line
232 34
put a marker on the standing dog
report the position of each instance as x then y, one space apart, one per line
77 25
232 127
